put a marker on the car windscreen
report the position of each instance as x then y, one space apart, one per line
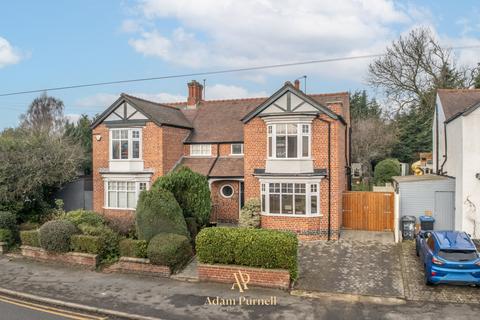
458 255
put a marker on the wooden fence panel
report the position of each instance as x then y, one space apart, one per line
371 211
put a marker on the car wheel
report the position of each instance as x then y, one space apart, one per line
427 281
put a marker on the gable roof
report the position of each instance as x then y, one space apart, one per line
288 87
221 167
456 102
159 113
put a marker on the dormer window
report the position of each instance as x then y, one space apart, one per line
288 140
125 144
201 150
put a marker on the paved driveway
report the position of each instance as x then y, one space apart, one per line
351 266
415 289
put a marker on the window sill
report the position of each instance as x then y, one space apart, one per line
124 160
129 209
289 159
291 215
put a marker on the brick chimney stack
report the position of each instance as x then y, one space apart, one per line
195 94
296 84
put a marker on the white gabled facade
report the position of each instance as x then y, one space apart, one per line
461 161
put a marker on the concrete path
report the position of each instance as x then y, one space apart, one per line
362 236
189 273
170 299
351 267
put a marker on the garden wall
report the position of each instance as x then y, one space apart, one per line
77 258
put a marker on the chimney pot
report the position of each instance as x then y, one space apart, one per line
297 84
195 94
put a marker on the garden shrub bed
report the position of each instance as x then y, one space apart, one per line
139 266
30 238
86 243
133 248
257 248
72 258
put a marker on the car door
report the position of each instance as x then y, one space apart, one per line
428 250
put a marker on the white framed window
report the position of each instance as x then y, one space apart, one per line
289 140
227 191
123 194
290 198
237 149
200 149
125 144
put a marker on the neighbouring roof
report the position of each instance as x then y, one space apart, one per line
220 167
159 113
456 102
425 177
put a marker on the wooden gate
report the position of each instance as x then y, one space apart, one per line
371 211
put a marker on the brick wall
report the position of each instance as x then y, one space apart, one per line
139 266
172 146
225 209
100 155
272 278
76 258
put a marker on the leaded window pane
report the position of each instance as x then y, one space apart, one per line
287 204
300 204
281 147
292 146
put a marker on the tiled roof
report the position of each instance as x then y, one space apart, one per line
159 113
201 165
227 167
457 101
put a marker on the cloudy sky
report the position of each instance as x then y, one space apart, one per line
56 43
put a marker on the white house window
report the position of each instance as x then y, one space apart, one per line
290 198
125 144
237 149
200 149
124 194
288 140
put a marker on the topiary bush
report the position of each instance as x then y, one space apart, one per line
250 214
55 235
30 238
133 248
169 249
259 248
191 191
85 243
6 236
8 220
109 241
158 211
385 170
79 217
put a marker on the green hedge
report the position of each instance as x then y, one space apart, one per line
85 243
109 240
259 248
79 217
30 238
133 248
8 220
6 235
169 249
55 235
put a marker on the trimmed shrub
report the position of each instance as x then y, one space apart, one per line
109 241
6 236
55 235
385 170
133 248
169 249
29 225
85 243
122 225
191 191
158 211
261 248
30 238
79 217
250 214
8 220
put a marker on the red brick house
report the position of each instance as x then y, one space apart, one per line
291 150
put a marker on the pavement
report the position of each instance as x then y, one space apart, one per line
170 299
415 289
351 266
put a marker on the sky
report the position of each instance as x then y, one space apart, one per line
48 43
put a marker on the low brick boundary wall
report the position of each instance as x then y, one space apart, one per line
138 266
271 278
76 258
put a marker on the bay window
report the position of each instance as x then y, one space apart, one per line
124 194
289 198
125 144
288 140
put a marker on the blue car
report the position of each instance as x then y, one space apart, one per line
448 257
